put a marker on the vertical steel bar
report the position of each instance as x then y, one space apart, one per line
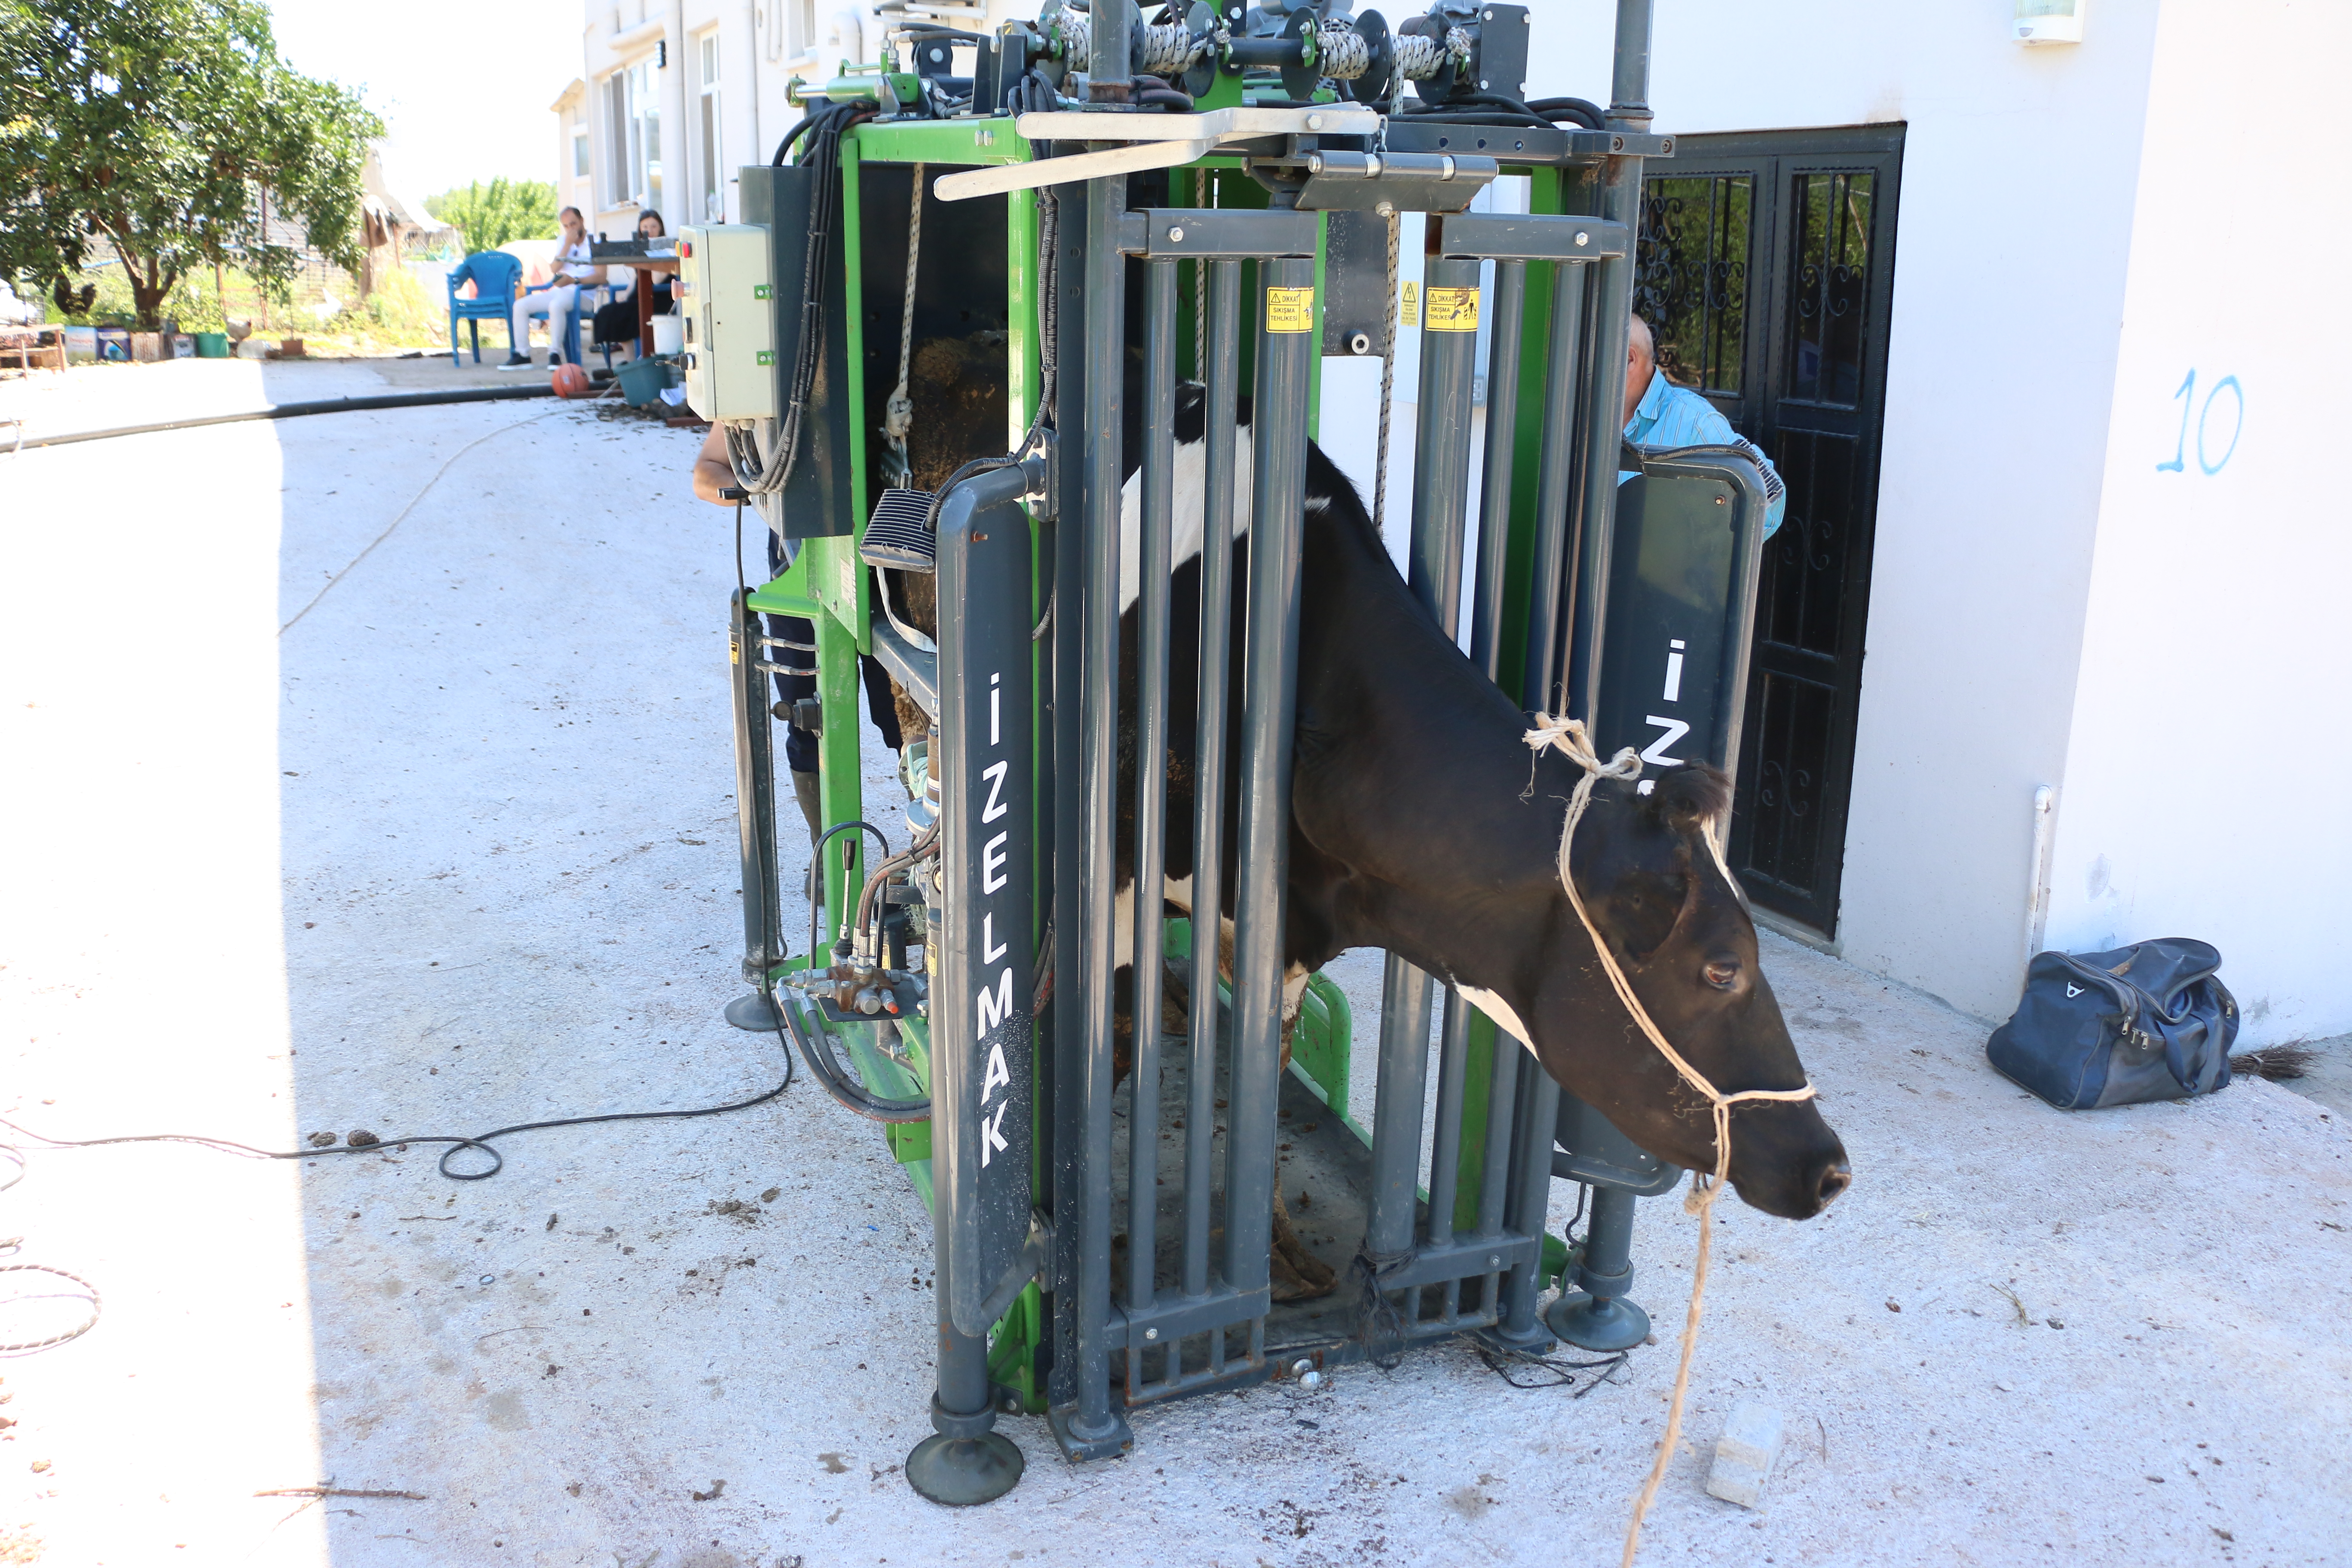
1445 1153
1106 338
1441 476
1485 652
1222 393
1150 774
1554 473
1494 487
1620 201
1495 1175
1531 1196
1277 521
755 776
1066 1118
1441 504
1402 1086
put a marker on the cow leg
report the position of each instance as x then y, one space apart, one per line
1297 1274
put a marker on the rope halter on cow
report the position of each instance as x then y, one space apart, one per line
1568 736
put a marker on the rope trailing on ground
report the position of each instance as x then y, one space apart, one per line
1568 737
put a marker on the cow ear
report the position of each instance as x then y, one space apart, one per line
1689 797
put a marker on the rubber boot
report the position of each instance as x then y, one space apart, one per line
805 789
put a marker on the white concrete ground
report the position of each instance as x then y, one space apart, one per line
455 850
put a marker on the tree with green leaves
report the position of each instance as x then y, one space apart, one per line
171 130
487 216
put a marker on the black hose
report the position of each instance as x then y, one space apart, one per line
1583 110
301 410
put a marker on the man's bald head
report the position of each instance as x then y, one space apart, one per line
1641 363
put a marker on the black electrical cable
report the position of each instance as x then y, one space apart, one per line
481 1140
1583 110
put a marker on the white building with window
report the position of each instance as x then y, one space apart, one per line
674 96
2050 649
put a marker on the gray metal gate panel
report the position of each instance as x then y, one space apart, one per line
1682 597
983 1041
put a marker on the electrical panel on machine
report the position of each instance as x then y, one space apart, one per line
727 294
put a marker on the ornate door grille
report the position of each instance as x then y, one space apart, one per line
1765 268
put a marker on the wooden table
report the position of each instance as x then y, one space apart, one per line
24 344
649 270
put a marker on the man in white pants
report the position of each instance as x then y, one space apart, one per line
559 299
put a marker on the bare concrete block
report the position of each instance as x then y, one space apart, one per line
1745 1454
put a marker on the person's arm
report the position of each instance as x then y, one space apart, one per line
712 471
1692 421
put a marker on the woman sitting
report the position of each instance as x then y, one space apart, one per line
617 323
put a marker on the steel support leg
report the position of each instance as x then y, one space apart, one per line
1597 1317
1530 1198
755 818
964 1460
1090 1428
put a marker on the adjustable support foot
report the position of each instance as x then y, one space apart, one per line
962 1471
1596 1323
1115 1438
752 1011
1597 1317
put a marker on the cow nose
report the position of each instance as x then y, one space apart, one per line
1836 1177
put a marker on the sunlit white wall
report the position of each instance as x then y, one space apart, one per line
2209 740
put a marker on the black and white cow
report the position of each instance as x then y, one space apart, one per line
1413 829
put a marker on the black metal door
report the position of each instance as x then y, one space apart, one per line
1766 270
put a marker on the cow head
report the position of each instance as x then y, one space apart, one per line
1688 945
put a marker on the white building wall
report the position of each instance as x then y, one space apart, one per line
765 46
2019 167
2210 737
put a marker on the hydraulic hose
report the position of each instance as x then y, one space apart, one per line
302 410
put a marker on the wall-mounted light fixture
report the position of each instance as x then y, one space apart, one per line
2049 21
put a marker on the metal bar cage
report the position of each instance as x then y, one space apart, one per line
1104 1239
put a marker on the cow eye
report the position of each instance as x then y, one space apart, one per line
1722 972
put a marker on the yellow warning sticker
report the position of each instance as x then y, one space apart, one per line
1453 310
1410 313
1290 309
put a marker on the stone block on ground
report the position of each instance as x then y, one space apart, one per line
1745 1454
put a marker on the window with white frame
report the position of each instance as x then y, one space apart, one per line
579 150
633 112
714 188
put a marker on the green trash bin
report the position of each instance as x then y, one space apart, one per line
212 345
642 380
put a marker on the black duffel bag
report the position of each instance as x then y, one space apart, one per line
2150 1021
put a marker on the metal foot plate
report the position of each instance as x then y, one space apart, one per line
752 1011
1596 1325
962 1471
1115 1439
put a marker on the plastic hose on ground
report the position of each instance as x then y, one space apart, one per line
301 410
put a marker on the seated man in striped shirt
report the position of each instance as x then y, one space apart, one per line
1660 413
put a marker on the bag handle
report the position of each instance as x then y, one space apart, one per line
2170 1030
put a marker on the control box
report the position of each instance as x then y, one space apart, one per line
727 294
